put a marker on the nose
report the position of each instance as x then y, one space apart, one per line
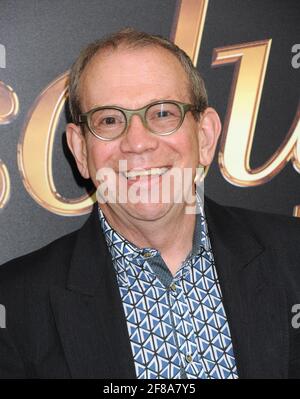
137 137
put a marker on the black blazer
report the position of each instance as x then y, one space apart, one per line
65 317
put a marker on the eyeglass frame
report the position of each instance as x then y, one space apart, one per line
85 118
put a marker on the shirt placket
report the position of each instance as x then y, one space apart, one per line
191 366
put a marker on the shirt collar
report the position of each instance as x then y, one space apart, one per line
119 246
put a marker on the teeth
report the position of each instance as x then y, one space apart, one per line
149 172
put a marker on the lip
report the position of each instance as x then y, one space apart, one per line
145 179
141 168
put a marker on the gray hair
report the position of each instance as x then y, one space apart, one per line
132 39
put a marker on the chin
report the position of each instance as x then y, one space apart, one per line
148 212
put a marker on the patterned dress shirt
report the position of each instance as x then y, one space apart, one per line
177 324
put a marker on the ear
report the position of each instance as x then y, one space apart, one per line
209 132
77 145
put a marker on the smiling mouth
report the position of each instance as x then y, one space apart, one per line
136 174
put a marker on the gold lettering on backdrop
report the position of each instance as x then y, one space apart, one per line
9 108
296 159
296 211
189 27
189 30
9 104
4 185
251 61
35 150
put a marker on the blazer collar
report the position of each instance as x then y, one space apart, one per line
90 262
229 235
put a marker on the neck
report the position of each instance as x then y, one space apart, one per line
171 235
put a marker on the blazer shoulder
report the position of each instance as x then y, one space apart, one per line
267 227
278 235
44 265
268 222
272 230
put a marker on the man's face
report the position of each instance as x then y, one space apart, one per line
132 79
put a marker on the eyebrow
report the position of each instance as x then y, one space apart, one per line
149 102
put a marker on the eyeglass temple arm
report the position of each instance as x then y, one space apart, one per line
82 118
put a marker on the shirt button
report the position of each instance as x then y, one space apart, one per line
173 287
147 254
189 358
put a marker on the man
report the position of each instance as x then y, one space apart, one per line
146 289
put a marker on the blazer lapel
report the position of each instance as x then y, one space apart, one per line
254 302
89 312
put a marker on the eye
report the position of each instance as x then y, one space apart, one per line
162 114
159 113
109 120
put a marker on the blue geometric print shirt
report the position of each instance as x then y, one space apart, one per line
177 324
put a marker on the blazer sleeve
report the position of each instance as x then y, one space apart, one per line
12 299
11 364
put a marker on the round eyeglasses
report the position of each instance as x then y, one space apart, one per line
160 117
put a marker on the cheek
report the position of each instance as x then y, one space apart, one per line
96 157
99 154
187 146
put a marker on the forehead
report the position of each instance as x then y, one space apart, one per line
132 78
